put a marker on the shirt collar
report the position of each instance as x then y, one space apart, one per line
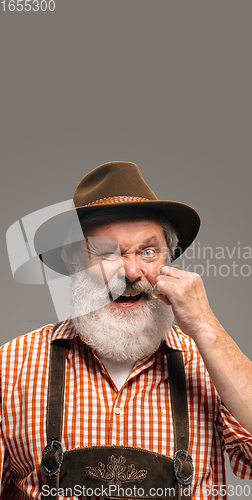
65 330
176 339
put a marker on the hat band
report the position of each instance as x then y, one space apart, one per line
116 199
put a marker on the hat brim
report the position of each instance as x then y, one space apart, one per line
50 236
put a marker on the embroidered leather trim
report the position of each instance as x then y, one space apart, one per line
115 472
116 199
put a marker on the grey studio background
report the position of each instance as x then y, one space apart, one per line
164 84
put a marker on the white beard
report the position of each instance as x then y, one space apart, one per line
119 335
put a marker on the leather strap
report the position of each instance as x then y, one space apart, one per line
183 466
178 399
53 453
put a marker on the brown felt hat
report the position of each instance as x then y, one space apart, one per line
112 184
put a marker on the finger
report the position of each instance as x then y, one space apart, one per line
162 297
165 287
168 280
172 271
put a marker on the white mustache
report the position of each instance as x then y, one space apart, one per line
118 287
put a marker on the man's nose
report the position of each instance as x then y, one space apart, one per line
132 269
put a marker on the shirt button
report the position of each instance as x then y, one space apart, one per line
117 411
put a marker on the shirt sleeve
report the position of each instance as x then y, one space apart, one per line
238 443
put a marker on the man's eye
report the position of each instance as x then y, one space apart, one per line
149 252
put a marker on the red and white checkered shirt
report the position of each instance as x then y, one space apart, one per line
96 413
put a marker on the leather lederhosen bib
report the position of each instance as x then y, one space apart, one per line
115 471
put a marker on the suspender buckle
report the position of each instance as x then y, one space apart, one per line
52 458
183 467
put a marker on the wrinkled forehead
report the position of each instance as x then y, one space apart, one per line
130 233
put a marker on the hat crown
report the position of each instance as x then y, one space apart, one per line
113 179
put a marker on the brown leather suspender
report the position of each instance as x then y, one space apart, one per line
53 452
183 462
52 467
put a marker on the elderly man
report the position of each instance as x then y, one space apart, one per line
116 400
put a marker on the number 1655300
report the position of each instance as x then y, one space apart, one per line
28 5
